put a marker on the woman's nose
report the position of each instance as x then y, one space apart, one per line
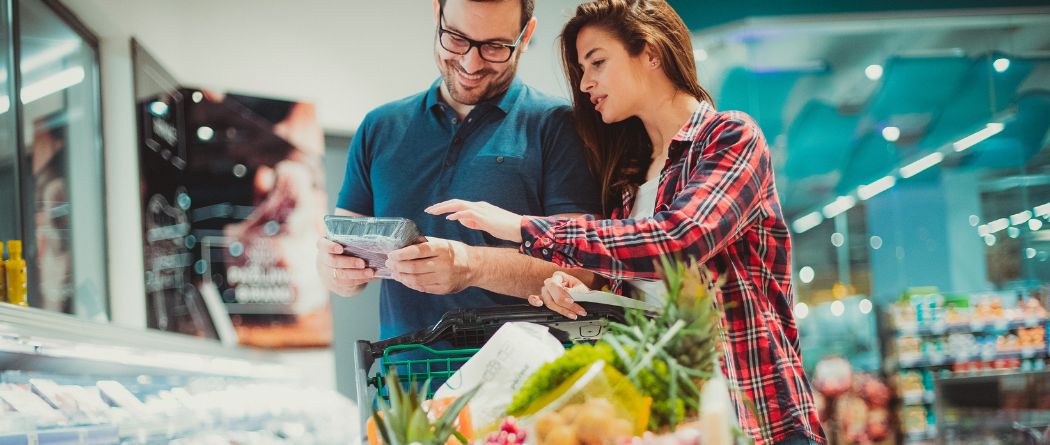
586 85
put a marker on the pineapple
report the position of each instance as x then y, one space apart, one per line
692 289
669 357
405 420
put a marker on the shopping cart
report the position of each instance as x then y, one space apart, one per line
437 352
1032 435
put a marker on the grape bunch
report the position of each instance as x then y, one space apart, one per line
509 434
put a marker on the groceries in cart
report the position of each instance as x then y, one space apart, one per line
371 239
499 368
648 378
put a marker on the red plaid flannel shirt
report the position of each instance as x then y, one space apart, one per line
717 202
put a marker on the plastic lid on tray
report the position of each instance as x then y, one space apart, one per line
371 238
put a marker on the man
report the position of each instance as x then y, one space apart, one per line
477 133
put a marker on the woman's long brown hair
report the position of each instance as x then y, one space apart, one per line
619 154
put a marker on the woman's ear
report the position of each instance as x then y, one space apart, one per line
651 57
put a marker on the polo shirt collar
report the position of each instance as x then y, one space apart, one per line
504 102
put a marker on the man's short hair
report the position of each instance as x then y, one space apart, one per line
527 7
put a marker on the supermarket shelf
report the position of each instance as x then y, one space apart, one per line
43 341
925 398
927 362
973 328
260 308
991 375
916 437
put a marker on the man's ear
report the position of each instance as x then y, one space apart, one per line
529 29
437 11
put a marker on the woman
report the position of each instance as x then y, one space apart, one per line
682 179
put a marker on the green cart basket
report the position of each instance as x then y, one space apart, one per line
439 351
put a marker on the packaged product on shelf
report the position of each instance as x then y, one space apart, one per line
15 270
933 351
118 395
962 346
89 402
1033 311
987 311
909 349
1007 343
909 386
913 419
905 317
32 409
955 315
1031 340
928 308
989 348
55 396
3 275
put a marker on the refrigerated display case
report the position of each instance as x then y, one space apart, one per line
69 381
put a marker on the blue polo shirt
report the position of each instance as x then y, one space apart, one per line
518 151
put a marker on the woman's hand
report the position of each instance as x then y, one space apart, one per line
481 216
555 295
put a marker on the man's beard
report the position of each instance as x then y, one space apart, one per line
494 87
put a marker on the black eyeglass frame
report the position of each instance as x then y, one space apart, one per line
477 44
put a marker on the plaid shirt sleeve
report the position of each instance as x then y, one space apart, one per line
722 193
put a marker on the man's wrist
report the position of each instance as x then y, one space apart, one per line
348 291
475 261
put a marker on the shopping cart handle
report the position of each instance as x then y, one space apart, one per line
471 328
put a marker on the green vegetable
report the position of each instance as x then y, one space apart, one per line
552 374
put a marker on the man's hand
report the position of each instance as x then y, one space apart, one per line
437 266
481 215
343 274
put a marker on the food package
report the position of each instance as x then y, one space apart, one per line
501 367
595 406
371 239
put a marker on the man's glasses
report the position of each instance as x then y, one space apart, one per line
494 52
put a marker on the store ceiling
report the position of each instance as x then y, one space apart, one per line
346 56
805 82
700 16
802 77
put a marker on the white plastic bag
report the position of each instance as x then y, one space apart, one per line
501 366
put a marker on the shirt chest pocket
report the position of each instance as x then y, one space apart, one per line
501 180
